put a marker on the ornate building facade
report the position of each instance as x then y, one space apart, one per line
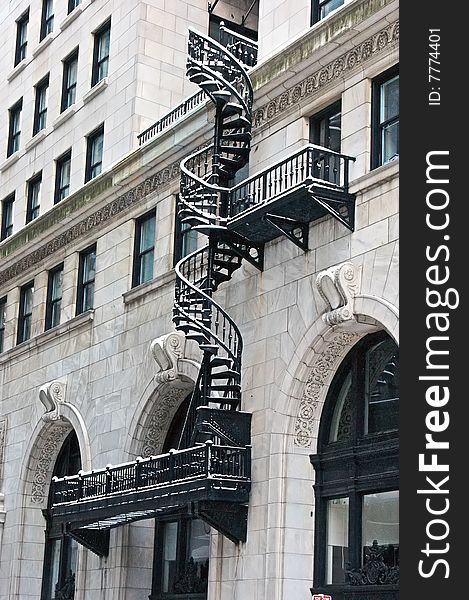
199 369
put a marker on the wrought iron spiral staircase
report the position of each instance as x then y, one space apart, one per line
204 206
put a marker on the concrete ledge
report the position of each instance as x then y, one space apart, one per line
148 287
95 90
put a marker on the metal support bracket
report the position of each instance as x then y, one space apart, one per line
228 518
96 540
295 231
341 210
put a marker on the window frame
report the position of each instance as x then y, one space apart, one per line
99 34
91 139
40 114
21 45
324 162
47 21
59 164
66 88
6 229
82 283
72 4
14 135
376 124
33 210
317 7
333 458
3 308
138 253
51 301
22 316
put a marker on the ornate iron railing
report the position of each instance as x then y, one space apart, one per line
310 164
200 462
240 46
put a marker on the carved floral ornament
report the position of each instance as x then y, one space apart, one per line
52 397
160 420
338 287
321 373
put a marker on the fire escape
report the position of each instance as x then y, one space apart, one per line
210 474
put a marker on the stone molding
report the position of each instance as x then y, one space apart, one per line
3 435
315 389
52 397
311 85
160 419
167 350
338 287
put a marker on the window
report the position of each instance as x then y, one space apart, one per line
385 118
3 308
144 249
61 551
40 109
62 176
47 19
101 53
86 276
322 8
325 131
185 239
54 297
7 217
94 154
21 37
34 198
357 520
25 312
73 4
14 132
69 83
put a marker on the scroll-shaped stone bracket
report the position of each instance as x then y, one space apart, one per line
167 350
52 396
338 287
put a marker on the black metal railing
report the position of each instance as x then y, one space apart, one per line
244 49
313 164
177 113
200 462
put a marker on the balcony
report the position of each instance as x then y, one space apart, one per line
301 188
209 480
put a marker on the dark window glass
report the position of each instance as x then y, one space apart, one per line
62 177
47 20
101 54
14 132
86 277
61 551
21 38
40 109
7 217
185 239
3 308
94 154
325 131
73 4
34 198
25 312
385 110
321 8
54 297
144 249
69 84
357 516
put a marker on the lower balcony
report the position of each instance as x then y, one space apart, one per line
303 187
209 481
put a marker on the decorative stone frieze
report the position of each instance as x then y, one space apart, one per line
3 434
167 350
160 419
52 396
44 464
338 286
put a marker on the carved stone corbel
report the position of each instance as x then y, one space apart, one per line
167 350
338 286
52 396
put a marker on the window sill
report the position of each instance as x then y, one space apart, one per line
11 160
375 177
40 135
18 69
95 90
47 41
67 113
148 287
71 325
76 12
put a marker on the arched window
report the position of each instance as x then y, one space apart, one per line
357 476
181 554
60 559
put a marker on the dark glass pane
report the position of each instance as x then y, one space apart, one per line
341 428
147 234
88 296
198 555
389 99
382 388
328 7
170 534
381 527
337 540
390 141
146 267
89 266
189 240
53 567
